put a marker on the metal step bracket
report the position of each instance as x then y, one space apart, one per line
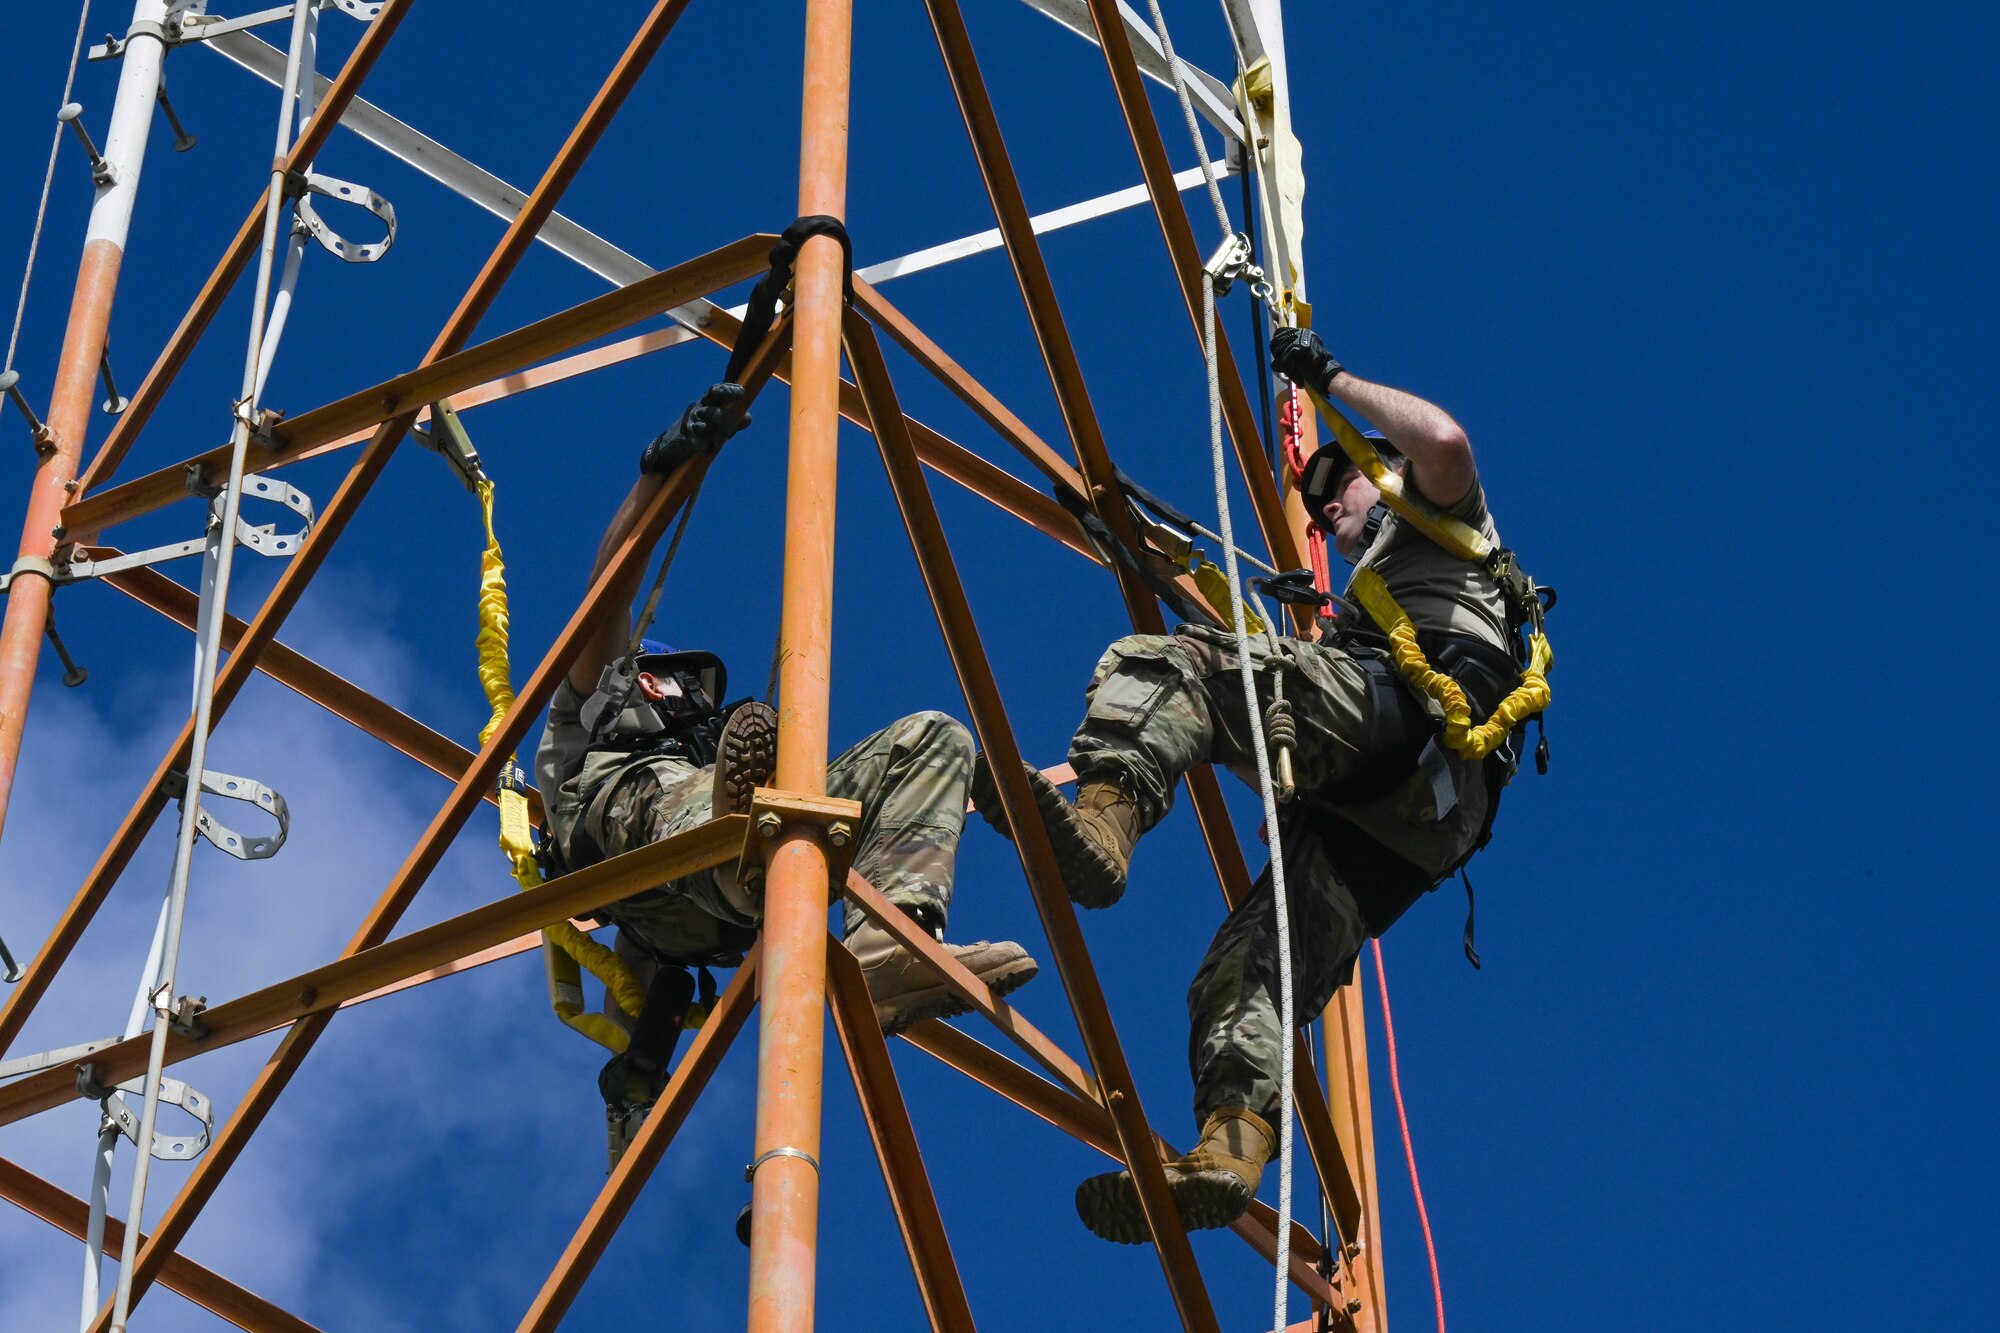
264 539
243 847
173 1092
307 184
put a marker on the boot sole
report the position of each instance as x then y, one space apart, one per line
1109 1204
942 1002
746 754
1093 879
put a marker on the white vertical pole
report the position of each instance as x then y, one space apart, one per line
222 541
106 1152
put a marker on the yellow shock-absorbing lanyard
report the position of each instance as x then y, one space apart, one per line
566 950
1466 542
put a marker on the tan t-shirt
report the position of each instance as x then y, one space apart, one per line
1437 589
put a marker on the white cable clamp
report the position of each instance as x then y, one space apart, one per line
750 1171
328 187
33 564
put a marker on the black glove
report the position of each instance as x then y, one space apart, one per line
1302 358
701 430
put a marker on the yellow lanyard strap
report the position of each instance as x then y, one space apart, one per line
566 950
1463 739
1454 535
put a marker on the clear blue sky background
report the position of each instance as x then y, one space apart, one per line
1712 292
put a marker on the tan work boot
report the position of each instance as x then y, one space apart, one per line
905 988
746 754
1093 838
1211 1185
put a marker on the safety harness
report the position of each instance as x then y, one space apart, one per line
673 1000
1428 687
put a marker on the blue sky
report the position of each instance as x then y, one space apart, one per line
1711 291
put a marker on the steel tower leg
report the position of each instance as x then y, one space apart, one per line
792 1018
68 416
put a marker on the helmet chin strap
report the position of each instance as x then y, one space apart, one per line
1369 530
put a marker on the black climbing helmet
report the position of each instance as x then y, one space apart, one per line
1328 464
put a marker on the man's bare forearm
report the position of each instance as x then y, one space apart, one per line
1439 453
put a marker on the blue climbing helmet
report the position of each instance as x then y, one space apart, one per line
694 668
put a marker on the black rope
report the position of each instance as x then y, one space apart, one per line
1260 323
1100 533
763 307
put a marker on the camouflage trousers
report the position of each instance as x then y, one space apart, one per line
911 780
1160 704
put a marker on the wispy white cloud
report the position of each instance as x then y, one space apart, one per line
430 1158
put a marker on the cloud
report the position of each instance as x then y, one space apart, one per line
430 1158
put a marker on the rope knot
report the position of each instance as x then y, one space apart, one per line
1280 731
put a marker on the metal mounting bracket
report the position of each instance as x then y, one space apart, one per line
173 1092
227 785
836 822
327 187
447 439
34 1064
264 539
185 27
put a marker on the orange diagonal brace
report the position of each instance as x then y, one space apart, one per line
210 1290
996 736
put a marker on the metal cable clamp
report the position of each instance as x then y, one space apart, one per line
328 187
173 1092
227 785
264 539
750 1171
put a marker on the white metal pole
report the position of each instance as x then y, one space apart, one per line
222 538
307 84
105 1154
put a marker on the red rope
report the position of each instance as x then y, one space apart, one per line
1403 1119
1290 414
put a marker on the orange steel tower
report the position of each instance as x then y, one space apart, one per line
827 347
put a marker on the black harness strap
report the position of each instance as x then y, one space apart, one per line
1166 590
763 307
641 1070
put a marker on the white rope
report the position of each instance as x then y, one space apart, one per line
48 182
1193 124
1280 906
